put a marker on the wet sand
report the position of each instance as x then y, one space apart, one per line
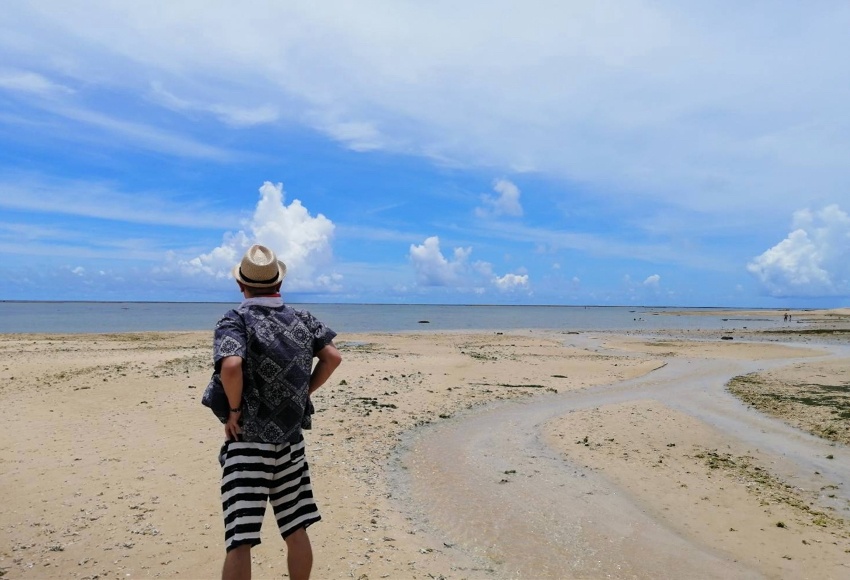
111 468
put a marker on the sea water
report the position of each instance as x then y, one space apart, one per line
98 317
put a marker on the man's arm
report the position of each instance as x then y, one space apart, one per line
231 379
329 358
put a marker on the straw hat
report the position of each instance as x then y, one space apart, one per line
259 268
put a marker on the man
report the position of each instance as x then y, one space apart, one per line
264 353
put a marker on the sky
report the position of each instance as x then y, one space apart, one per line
654 153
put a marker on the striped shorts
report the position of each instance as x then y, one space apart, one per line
255 473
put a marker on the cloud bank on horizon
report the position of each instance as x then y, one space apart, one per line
554 152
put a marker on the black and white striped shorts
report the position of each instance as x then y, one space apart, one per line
255 473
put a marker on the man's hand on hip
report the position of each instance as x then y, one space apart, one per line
232 430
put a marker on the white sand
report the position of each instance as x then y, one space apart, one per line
110 470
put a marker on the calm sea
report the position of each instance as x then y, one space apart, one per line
81 317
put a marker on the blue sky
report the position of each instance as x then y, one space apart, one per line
629 152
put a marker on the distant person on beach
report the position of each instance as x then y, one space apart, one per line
263 352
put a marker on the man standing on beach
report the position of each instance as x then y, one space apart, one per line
264 353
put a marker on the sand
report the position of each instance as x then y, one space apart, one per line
110 467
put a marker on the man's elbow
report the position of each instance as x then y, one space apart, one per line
336 359
331 357
231 365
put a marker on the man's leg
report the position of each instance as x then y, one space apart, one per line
294 507
244 493
299 556
237 564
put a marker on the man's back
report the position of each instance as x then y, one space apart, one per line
277 344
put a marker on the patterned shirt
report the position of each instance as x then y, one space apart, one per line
277 345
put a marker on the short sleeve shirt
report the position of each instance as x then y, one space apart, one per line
277 346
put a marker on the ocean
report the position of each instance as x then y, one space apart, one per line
100 317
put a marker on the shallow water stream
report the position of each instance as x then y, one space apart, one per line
555 520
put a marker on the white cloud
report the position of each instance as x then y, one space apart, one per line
650 286
652 281
244 117
433 269
235 116
79 271
813 260
356 135
506 203
511 282
30 82
597 93
302 241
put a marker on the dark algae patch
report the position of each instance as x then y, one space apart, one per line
821 409
810 331
771 490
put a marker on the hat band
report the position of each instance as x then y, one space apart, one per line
252 281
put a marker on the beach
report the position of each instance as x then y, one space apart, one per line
447 455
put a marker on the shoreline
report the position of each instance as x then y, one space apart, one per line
116 474
91 320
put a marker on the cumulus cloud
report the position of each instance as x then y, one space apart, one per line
506 203
434 269
511 282
813 260
652 281
299 239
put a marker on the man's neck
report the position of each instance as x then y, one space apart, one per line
252 295
267 300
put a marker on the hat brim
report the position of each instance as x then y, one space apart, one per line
281 274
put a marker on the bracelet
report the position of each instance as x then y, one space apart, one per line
236 410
